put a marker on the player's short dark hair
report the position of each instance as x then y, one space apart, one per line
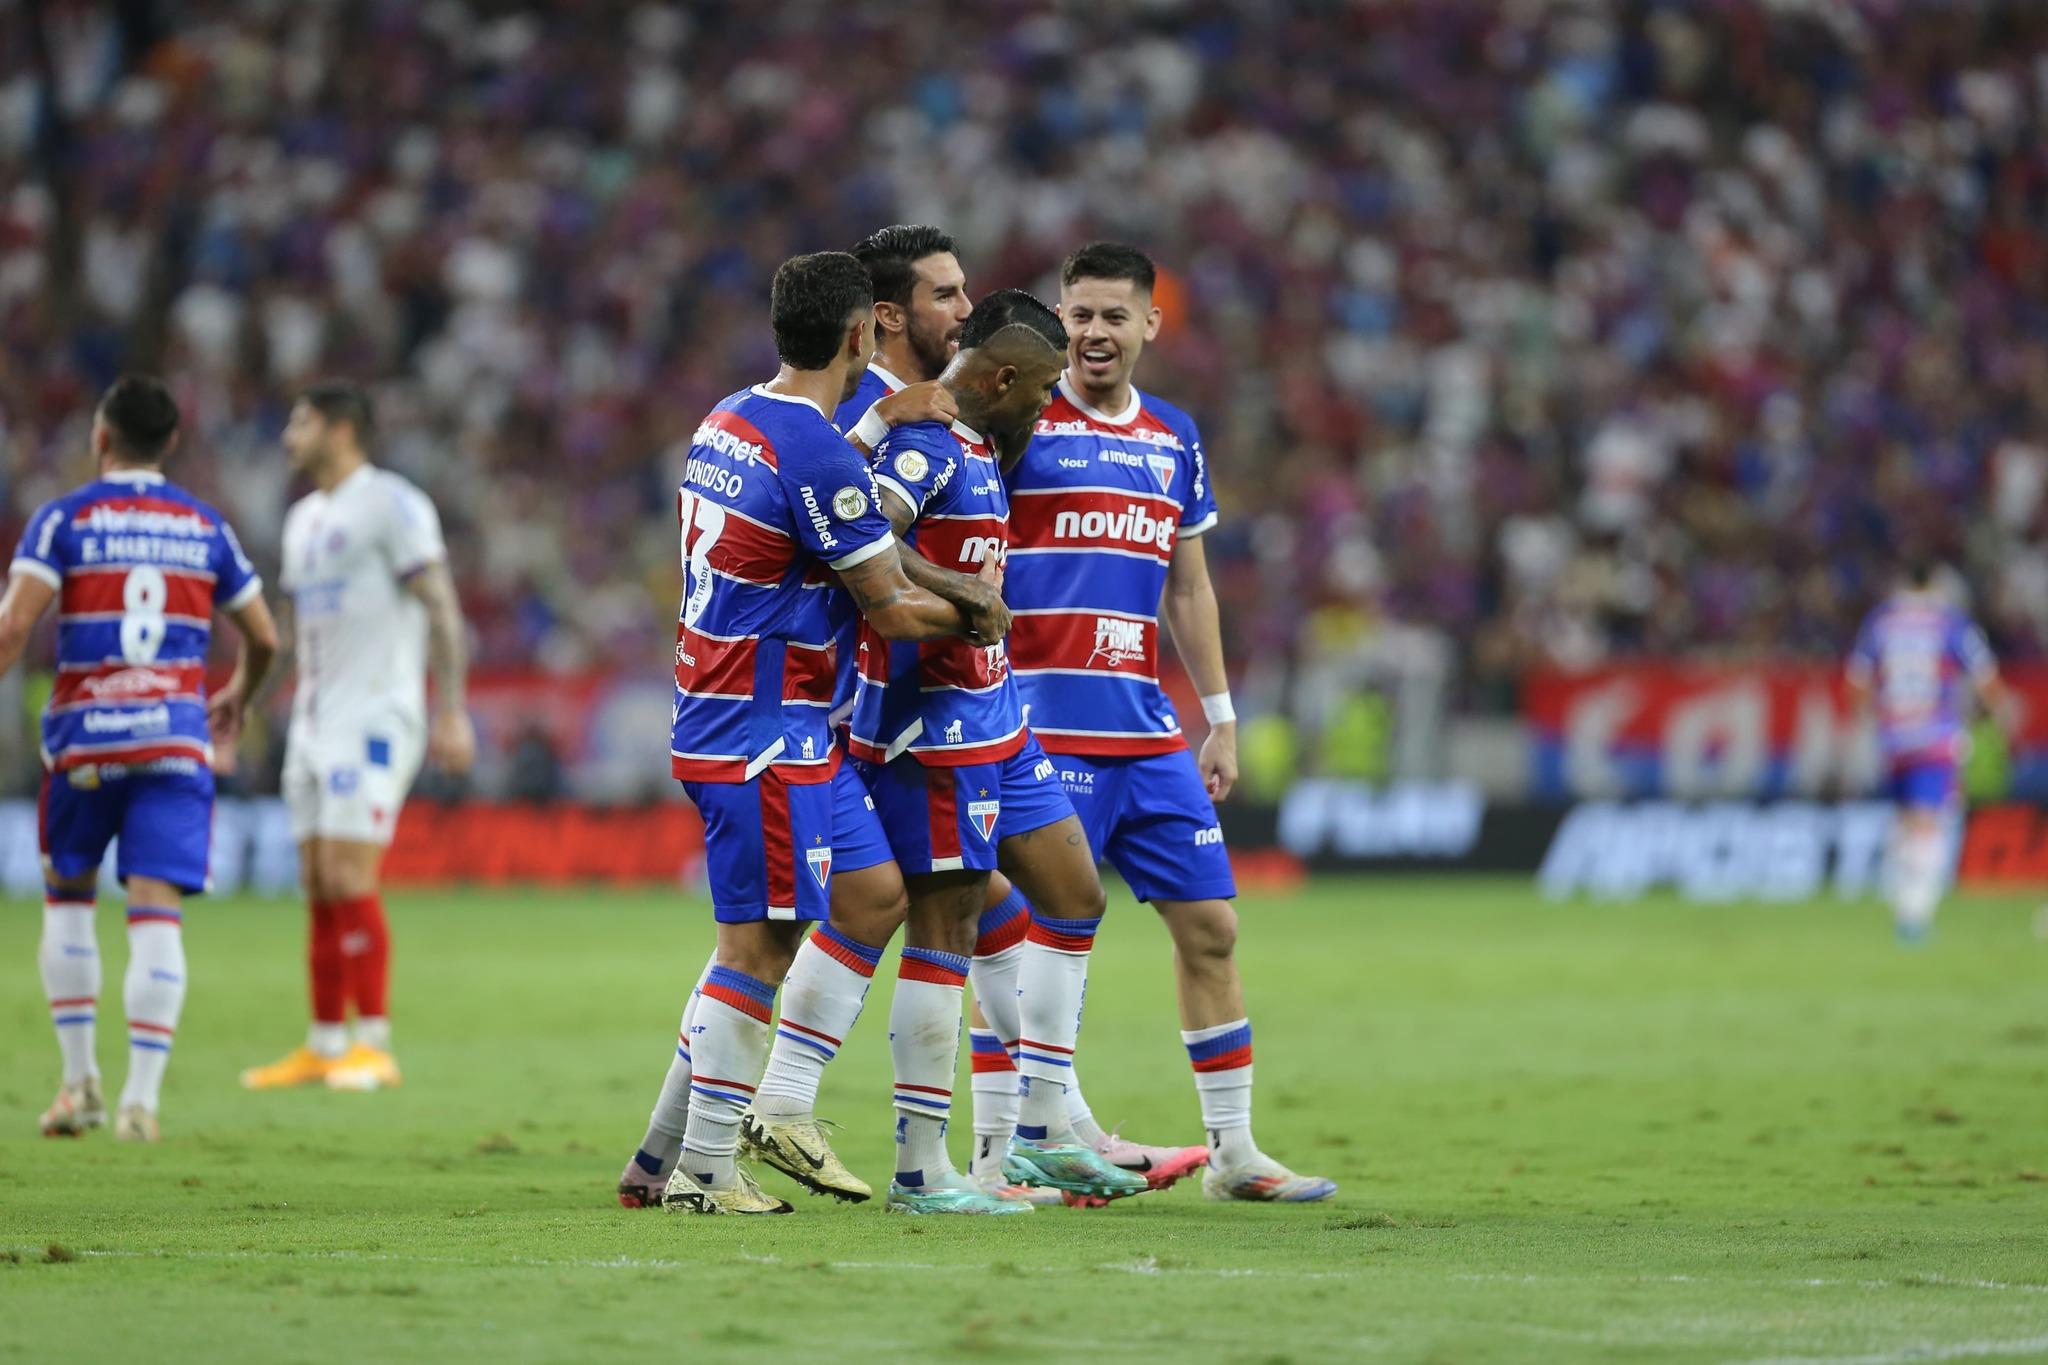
142 416
809 303
1110 261
891 253
1011 308
338 400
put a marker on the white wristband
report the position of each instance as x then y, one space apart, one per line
872 428
1218 709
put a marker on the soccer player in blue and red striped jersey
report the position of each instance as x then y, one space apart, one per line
774 505
1110 501
137 567
955 775
1916 661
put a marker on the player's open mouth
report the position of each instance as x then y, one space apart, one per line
1097 361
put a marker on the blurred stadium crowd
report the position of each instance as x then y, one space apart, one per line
1519 331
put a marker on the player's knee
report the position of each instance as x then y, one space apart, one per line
1204 930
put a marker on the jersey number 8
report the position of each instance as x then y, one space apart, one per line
143 597
703 521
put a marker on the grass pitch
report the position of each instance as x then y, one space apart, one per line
1586 1133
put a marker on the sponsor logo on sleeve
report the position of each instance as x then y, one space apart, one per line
849 504
912 466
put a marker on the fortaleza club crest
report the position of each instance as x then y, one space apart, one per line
1162 469
820 860
983 814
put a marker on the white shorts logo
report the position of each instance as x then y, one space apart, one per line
849 504
912 466
953 732
983 814
820 860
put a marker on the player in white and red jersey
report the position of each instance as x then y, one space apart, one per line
1109 503
137 567
373 609
1917 662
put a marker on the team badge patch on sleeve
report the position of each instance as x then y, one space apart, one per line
983 814
849 504
912 466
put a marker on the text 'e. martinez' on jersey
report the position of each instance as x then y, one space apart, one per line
876 383
773 494
139 566
1919 655
1097 504
949 701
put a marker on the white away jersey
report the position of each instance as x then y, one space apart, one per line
362 635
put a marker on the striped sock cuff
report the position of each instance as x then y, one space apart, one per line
929 964
1063 935
849 953
73 1009
1226 1047
924 1099
816 1040
987 1052
154 1037
1003 927
154 914
57 898
749 995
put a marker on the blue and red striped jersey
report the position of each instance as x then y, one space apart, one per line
1918 655
139 566
771 498
1098 502
946 702
876 383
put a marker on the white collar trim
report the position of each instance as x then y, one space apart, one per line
133 476
881 372
1121 419
969 434
762 391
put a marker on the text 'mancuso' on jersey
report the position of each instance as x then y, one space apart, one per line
139 566
1919 656
772 496
1097 504
876 383
949 701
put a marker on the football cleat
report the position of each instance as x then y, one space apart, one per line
638 1189
364 1067
1162 1167
135 1124
992 1183
77 1108
685 1195
798 1149
300 1066
1266 1181
967 1197
1071 1168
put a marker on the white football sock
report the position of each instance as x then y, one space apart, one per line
1079 1116
665 1126
374 1032
155 995
729 1046
1917 876
1051 985
70 959
1222 1058
327 1040
821 1000
924 1044
994 1086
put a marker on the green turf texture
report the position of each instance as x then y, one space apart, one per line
1565 1132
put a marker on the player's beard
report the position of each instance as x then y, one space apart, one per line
932 349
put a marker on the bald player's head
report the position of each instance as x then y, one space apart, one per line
1012 348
